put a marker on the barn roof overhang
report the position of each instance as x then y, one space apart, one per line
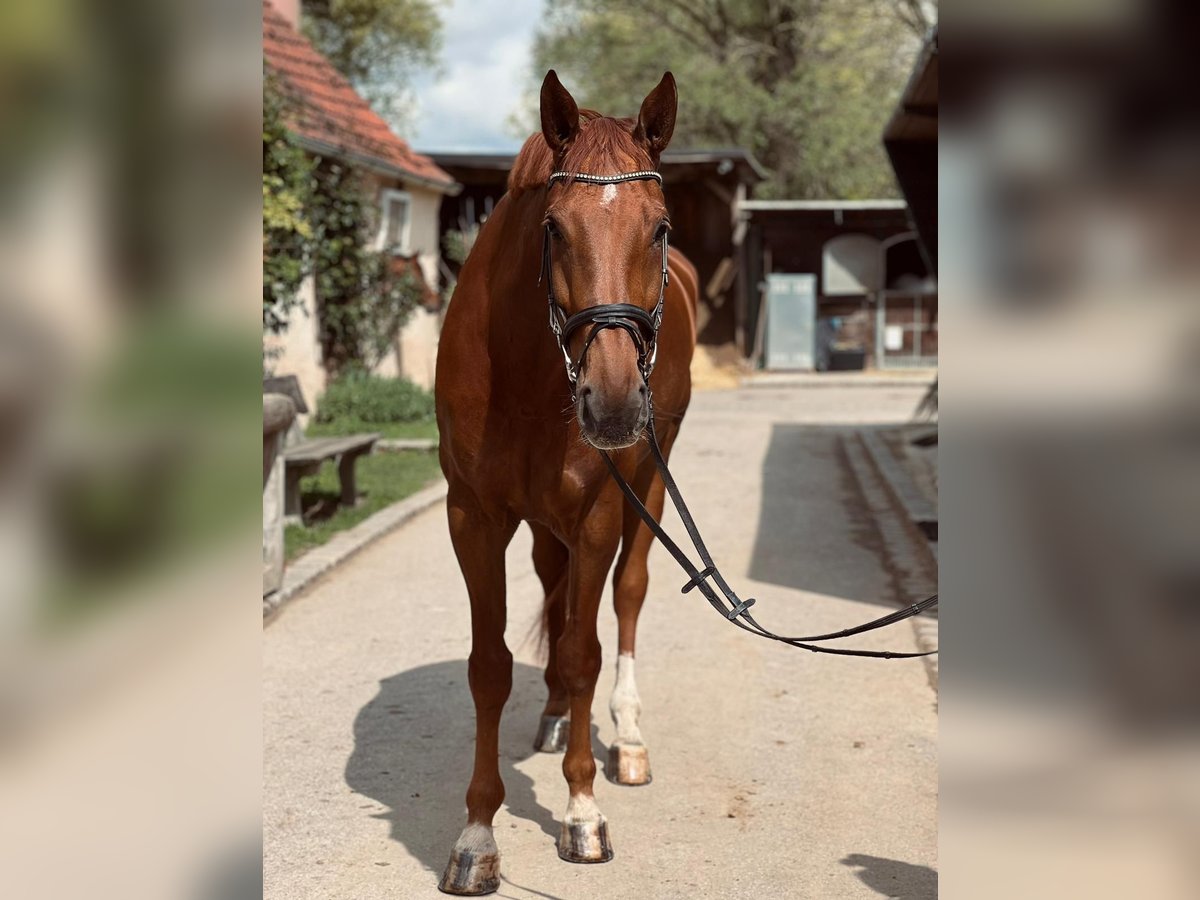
766 206
822 213
685 163
378 166
910 139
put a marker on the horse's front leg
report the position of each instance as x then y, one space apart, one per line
550 558
628 759
584 836
479 542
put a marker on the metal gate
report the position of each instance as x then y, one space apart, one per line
906 330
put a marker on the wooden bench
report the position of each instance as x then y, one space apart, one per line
305 458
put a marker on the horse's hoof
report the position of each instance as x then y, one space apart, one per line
552 734
585 842
470 874
628 764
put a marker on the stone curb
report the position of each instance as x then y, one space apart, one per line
909 555
900 378
301 574
406 444
920 511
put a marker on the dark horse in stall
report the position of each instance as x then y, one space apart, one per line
519 439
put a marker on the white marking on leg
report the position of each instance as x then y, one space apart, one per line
581 809
626 705
476 839
609 195
583 834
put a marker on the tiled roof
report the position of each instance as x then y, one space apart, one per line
325 110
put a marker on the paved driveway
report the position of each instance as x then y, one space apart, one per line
776 772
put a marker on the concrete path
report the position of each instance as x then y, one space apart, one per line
776 772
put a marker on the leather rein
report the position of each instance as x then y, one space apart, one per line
642 327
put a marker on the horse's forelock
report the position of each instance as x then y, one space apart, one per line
605 146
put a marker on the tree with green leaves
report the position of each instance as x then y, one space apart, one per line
806 85
379 45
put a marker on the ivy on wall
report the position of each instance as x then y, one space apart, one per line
287 186
364 299
319 218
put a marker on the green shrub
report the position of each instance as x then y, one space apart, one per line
360 397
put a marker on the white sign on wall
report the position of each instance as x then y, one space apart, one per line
893 337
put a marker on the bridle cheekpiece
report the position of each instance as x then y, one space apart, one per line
640 325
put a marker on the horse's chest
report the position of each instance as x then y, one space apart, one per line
537 473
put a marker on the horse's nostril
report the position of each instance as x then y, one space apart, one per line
585 392
642 389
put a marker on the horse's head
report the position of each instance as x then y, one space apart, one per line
607 247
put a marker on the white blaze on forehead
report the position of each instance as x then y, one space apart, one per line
609 195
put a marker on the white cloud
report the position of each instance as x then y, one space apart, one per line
487 55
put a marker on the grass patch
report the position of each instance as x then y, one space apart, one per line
383 478
424 429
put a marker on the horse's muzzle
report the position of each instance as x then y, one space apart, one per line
610 423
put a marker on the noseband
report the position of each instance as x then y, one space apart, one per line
640 325
643 327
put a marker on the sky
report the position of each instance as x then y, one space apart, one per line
486 60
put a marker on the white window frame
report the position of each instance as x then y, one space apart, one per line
386 198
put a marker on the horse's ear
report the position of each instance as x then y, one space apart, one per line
656 119
560 115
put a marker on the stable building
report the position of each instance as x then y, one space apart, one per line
331 121
704 189
840 285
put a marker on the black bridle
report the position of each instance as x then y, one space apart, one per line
643 328
640 325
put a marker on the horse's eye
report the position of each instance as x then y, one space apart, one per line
661 231
552 227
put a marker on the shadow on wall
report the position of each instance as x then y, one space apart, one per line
891 878
414 748
814 530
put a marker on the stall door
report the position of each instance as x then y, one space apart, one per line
791 321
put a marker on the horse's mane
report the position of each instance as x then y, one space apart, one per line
604 146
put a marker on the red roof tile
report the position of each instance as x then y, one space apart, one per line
323 107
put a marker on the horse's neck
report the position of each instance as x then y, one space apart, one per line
519 331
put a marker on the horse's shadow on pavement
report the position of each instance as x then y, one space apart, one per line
893 878
414 748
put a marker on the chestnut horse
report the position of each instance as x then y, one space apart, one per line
518 444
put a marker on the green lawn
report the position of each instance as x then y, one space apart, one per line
387 429
383 478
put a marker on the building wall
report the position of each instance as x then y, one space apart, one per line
298 351
702 227
419 337
415 354
702 204
794 241
426 235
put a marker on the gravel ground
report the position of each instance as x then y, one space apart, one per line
776 772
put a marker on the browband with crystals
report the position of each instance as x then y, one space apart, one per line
646 175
